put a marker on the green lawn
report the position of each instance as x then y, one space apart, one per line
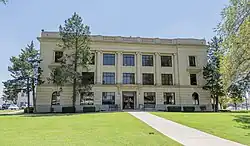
232 126
109 129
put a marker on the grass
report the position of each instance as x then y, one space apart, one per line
232 126
102 129
7 111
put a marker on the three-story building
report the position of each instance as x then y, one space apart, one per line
131 73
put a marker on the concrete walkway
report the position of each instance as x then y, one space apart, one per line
182 134
12 112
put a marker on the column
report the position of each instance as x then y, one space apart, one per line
175 69
138 68
157 69
118 68
98 67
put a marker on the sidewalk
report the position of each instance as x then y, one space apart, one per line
12 112
180 133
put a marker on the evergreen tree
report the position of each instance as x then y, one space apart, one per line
212 71
10 91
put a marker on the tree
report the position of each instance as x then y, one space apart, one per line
223 101
236 93
4 1
25 70
211 72
75 41
235 31
10 91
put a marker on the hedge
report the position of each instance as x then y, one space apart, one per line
88 109
69 109
31 110
188 108
174 108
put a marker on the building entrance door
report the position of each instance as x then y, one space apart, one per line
128 100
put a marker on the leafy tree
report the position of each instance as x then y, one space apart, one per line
212 73
25 70
223 101
10 91
4 1
235 30
236 93
75 41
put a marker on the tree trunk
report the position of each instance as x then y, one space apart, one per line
216 103
33 94
28 93
246 103
235 106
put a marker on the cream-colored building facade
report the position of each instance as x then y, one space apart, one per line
132 73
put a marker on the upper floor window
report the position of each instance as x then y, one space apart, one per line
128 78
148 79
108 78
128 60
169 98
166 61
147 60
108 59
192 61
92 59
108 98
166 79
88 77
193 79
87 98
58 56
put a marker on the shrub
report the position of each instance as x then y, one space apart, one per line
69 109
88 109
188 108
31 110
224 110
174 108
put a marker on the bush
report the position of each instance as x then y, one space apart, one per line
188 108
224 110
69 109
31 110
88 109
174 108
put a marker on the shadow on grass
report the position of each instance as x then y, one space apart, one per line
244 122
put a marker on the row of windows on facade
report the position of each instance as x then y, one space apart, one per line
108 98
129 59
129 78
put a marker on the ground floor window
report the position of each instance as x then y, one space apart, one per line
169 97
195 97
87 98
108 98
55 99
149 99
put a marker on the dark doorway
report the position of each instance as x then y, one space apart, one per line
128 100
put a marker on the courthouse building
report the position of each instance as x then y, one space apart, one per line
131 73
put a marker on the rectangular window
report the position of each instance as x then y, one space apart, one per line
108 59
147 60
128 60
149 99
108 78
193 79
88 78
58 56
166 79
169 97
192 61
108 98
166 61
87 98
128 78
148 79
92 60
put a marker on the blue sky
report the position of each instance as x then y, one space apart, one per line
22 20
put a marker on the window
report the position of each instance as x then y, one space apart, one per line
108 59
147 60
88 78
108 98
169 98
166 79
166 61
92 60
148 79
58 56
195 97
108 78
128 78
192 61
193 80
55 99
128 60
149 99
87 98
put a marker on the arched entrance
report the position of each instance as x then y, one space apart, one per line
195 97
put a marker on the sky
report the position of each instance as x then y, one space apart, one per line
21 21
